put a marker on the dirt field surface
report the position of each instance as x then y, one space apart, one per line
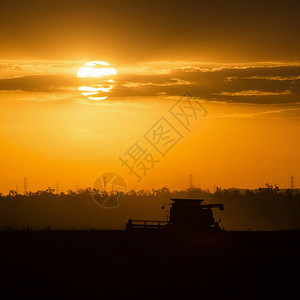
144 265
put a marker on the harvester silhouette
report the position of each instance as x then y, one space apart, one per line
185 215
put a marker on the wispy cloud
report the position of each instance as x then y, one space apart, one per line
21 68
167 67
50 98
253 93
172 82
275 78
287 113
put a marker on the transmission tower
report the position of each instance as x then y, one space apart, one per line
292 183
104 183
25 185
191 181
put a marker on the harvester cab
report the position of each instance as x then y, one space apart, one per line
191 214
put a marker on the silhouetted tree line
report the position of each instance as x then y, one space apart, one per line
261 209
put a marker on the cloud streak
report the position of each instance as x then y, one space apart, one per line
288 113
254 93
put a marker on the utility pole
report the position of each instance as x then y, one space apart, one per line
191 181
25 185
292 183
17 189
104 183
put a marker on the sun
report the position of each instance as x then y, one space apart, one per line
97 79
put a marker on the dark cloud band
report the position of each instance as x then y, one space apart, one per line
246 84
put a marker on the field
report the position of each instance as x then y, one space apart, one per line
139 265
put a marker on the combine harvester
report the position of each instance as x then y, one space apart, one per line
185 215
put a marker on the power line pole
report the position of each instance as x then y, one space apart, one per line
104 183
191 181
292 184
17 189
25 185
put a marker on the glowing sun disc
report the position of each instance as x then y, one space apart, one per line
96 80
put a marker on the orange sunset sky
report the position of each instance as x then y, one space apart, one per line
239 60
